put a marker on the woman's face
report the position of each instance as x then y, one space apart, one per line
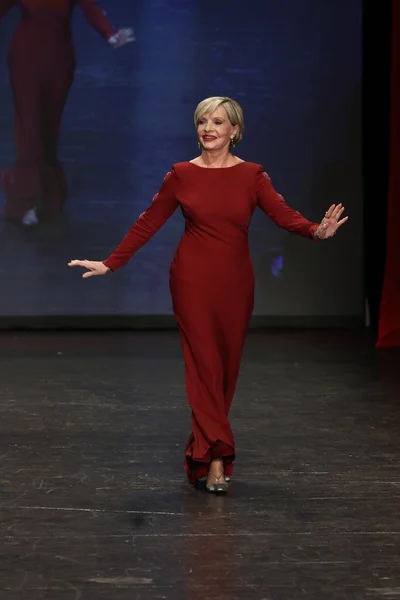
215 130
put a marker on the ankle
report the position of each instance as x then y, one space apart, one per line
217 467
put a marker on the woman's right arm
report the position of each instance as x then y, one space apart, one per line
5 6
160 210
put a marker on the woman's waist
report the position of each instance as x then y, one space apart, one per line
221 261
211 243
212 274
52 27
37 44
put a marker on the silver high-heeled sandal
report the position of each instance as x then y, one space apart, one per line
218 487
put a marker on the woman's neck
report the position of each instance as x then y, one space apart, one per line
216 159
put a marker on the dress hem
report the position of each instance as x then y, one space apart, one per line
197 467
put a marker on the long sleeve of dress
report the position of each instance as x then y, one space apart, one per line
5 6
160 210
97 18
276 208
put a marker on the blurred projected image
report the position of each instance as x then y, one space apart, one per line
107 125
41 63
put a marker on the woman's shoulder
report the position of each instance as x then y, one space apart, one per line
181 167
253 167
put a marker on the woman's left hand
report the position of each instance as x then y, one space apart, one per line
331 222
122 37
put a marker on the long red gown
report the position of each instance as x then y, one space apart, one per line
212 286
41 63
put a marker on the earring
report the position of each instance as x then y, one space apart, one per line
199 145
232 142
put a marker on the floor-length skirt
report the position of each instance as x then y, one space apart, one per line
213 321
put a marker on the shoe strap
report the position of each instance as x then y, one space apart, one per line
218 477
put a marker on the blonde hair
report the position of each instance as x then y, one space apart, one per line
233 110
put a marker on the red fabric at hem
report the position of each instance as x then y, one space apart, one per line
198 467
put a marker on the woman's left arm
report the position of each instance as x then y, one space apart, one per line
287 218
98 19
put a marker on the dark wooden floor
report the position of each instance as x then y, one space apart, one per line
94 503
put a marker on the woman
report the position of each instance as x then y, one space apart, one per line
211 278
42 64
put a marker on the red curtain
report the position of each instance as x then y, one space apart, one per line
389 318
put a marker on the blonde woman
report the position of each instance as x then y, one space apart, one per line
211 277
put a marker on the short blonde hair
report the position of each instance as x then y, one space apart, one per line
233 110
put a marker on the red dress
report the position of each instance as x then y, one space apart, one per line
212 286
42 65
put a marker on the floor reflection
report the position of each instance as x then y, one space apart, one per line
210 521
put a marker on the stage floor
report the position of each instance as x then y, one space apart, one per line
94 502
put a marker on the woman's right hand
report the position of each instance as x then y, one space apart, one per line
94 267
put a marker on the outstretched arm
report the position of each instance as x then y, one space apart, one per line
97 18
160 210
276 208
5 6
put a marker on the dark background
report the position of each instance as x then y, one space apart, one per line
376 77
296 70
